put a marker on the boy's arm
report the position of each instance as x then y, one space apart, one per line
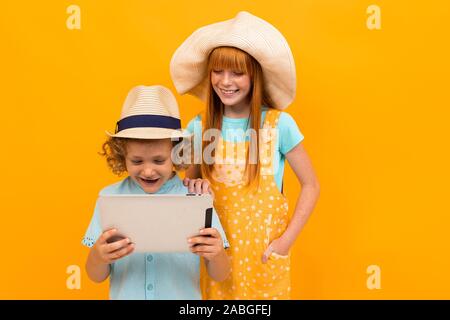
96 270
219 267
209 245
103 253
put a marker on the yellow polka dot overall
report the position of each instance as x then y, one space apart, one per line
251 218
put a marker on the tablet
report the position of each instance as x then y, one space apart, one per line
156 223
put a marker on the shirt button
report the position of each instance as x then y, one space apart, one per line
149 258
150 287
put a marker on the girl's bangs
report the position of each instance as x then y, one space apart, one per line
230 58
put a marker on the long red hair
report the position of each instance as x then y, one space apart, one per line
238 61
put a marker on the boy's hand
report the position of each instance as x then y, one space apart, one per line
198 186
105 252
208 244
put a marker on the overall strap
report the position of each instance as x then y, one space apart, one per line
268 139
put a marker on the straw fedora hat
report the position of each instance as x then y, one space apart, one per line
149 112
246 32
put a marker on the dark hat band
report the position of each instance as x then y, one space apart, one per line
148 121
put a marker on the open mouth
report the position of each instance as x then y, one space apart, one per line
149 182
228 92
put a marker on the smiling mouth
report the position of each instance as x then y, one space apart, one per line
228 92
149 182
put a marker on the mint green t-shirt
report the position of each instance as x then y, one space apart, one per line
289 136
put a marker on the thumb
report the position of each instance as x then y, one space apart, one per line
267 254
186 181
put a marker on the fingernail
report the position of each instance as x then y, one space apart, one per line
201 231
189 240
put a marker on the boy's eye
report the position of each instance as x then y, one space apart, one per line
136 161
159 161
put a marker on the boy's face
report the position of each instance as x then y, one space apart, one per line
149 163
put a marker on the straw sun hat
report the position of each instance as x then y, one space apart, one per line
149 112
249 33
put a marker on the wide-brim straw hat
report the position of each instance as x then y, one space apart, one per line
249 33
150 112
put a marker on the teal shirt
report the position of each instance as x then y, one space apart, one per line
289 136
152 276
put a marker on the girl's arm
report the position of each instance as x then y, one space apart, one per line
193 172
303 169
194 182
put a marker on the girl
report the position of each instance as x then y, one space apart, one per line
244 70
142 147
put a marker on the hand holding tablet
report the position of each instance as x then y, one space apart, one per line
156 223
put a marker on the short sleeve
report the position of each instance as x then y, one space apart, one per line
94 230
290 134
194 126
215 223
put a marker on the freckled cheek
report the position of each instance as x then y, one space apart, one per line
244 84
214 84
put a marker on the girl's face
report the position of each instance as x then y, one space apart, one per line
149 163
232 87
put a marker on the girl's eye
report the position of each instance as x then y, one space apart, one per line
136 162
217 71
160 161
238 73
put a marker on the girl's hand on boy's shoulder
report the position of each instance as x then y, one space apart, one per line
198 186
106 251
207 244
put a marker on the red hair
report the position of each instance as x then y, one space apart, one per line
238 61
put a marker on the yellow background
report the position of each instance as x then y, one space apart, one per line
373 106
